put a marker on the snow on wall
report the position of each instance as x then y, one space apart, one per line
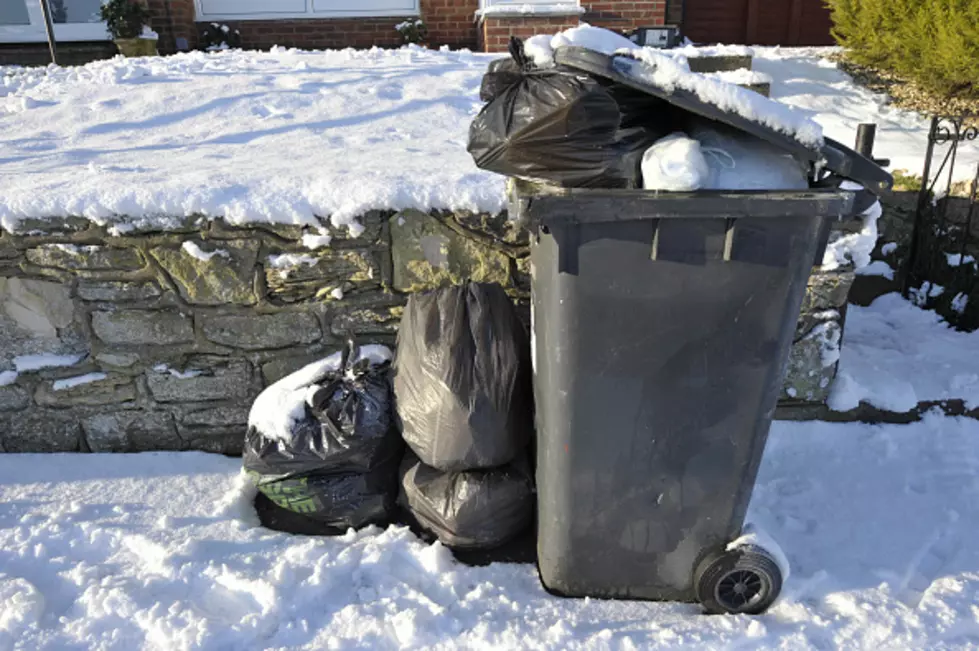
286 136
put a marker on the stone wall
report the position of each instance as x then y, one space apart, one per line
165 338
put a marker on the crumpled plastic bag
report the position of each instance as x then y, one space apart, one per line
462 378
740 161
337 463
675 164
469 510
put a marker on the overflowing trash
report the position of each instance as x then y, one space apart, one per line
623 427
322 442
463 396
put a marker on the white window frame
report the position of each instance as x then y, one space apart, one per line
483 4
411 9
63 32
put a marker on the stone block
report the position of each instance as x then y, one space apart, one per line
131 431
216 381
278 368
812 364
232 416
427 254
258 331
300 277
65 226
221 440
37 307
40 430
13 398
720 63
119 360
376 321
212 273
86 258
94 389
133 327
116 291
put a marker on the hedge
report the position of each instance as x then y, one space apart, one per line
932 42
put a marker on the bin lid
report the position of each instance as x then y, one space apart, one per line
832 155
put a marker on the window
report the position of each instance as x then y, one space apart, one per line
21 21
272 9
558 7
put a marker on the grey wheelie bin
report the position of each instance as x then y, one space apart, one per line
662 323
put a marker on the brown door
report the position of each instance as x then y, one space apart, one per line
757 22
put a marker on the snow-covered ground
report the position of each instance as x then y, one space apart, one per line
161 551
896 355
285 135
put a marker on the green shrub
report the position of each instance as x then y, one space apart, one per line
933 42
124 18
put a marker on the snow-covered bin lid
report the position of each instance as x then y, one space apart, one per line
737 107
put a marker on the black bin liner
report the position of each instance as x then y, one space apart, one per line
477 509
340 465
462 378
564 127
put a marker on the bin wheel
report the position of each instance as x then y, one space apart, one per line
743 580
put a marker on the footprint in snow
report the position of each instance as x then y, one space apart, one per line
392 91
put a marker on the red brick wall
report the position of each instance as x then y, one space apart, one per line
625 15
451 22
180 23
318 33
496 31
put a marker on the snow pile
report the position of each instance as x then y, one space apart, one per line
896 355
877 268
653 67
195 251
26 363
854 248
291 260
72 382
314 242
536 9
670 71
279 137
742 77
959 302
290 137
160 551
279 407
180 375
957 259
720 50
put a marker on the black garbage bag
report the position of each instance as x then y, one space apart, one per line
564 127
337 461
500 75
477 509
462 378
338 501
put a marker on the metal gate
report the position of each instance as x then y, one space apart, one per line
942 267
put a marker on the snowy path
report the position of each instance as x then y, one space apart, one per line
896 355
144 552
282 136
